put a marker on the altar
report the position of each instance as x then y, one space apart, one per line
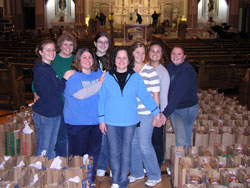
138 31
65 24
125 11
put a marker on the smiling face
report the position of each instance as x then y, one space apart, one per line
48 53
102 45
177 56
139 54
155 54
121 61
86 61
67 48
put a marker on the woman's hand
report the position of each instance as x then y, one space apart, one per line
103 128
159 120
68 74
102 78
36 97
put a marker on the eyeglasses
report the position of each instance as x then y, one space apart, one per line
103 42
49 50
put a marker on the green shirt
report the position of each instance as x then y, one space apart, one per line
61 65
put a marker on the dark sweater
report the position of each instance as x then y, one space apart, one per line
183 87
49 88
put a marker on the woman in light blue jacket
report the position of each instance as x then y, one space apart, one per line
118 115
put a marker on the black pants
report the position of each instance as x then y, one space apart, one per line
158 143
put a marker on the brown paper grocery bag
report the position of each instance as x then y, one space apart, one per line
34 177
28 142
185 163
18 174
169 142
53 176
12 140
9 184
176 153
2 139
73 177
75 161
214 139
227 139
7 162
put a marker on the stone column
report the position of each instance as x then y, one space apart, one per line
234 13
7 8
186 8
192 13
80 11
40 18
18 15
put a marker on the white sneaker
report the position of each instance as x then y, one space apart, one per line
114 185
168 170
133 179
152 183
100 173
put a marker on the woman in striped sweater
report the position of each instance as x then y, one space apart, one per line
142 149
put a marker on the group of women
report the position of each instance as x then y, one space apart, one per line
115 105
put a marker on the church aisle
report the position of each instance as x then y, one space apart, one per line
104 182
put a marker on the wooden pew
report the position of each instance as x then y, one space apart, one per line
219 76
12 84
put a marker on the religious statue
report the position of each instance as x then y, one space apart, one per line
62 4
210 5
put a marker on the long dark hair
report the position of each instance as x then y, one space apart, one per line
77 60
106 64
164 58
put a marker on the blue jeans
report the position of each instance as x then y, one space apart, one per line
61 148
120 141
46 134
104 158
143 151
182 121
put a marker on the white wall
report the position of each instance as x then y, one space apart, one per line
53 12
221 10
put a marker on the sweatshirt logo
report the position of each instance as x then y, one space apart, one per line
88 83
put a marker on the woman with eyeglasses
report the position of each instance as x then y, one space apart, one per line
103 45
66 44
48 107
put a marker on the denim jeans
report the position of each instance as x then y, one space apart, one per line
61 148
182 121
46 134
120 141
104 158
143 151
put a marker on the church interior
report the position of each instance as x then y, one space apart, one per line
216 38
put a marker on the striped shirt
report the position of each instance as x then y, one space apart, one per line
152 82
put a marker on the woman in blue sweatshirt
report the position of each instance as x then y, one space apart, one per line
48 108
182 105
118 115
80 108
